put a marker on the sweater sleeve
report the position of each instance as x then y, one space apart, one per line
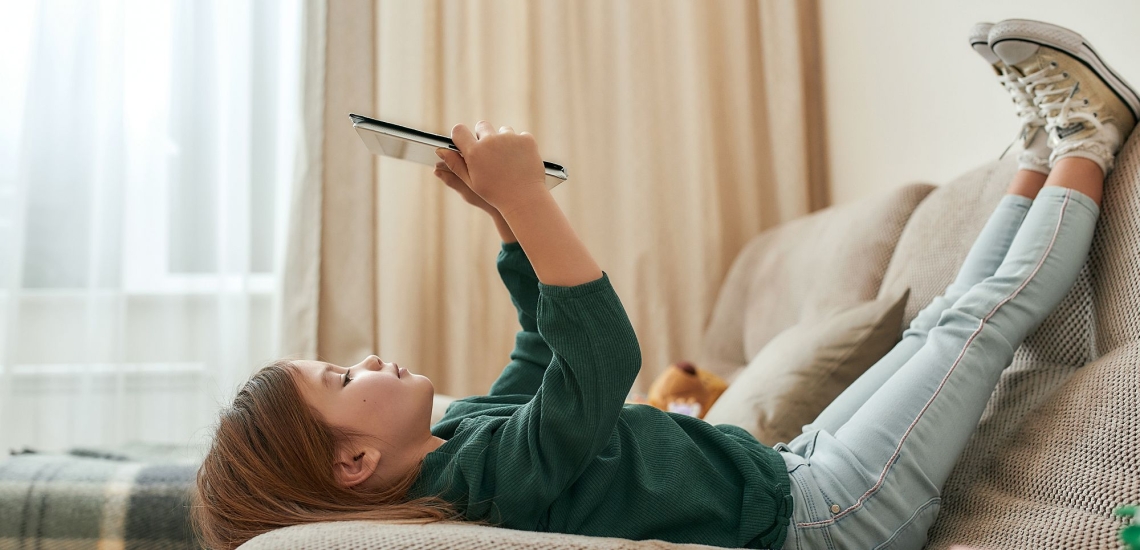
547 443
531 355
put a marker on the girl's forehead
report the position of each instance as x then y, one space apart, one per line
311 377
314 368
312 373
310 365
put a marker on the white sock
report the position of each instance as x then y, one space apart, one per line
1100 148
1036 155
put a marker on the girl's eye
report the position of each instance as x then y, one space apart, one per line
346 378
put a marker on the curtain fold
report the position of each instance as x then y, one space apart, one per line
300 256
686 127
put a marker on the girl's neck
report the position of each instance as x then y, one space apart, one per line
395 471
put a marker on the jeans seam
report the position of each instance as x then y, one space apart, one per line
803 493
905 524
813 512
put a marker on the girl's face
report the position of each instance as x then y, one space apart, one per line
371 397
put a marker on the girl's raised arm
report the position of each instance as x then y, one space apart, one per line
559 257
506 170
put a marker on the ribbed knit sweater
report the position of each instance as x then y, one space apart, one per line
553 447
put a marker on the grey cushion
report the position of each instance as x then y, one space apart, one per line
804 368
801 271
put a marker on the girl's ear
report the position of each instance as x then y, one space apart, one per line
355 465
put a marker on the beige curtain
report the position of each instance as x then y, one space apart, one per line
686 127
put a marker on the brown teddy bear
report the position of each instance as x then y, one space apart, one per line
683 388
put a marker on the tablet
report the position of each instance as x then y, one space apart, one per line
393 140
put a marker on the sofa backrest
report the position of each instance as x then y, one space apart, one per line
1058 448
796 271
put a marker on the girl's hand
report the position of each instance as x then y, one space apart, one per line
459 184
503 168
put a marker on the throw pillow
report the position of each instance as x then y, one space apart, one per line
802 369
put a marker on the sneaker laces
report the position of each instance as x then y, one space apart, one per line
1027 109
1051 98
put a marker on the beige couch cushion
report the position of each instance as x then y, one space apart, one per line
366 535
801 270
804 368
1058 447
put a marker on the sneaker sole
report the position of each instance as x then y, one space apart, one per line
980 41
1073 44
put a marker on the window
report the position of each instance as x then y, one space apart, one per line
146 154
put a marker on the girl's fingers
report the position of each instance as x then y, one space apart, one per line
452 181
454 161
483 129
506 130
448 177
462 137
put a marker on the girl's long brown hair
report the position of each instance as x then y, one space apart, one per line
270 466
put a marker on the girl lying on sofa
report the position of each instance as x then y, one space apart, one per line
552 447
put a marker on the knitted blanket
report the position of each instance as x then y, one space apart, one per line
87 499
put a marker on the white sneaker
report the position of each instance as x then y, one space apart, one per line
1088 108
1032 136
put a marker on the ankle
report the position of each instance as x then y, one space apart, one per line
1100 148
1027 183
1080 174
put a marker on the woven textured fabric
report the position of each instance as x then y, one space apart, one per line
1047 468
363 535
1115 256
1058 447
804 270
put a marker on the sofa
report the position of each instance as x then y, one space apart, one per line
1058 447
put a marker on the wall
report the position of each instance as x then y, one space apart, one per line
907 99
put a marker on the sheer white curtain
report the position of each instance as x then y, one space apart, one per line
146 162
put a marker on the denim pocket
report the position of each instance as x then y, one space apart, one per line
812 530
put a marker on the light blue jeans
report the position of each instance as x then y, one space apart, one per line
868 472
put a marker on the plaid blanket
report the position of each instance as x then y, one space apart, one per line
98 500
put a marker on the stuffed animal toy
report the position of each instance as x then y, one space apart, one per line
683 388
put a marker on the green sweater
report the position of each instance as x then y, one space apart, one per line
553 447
